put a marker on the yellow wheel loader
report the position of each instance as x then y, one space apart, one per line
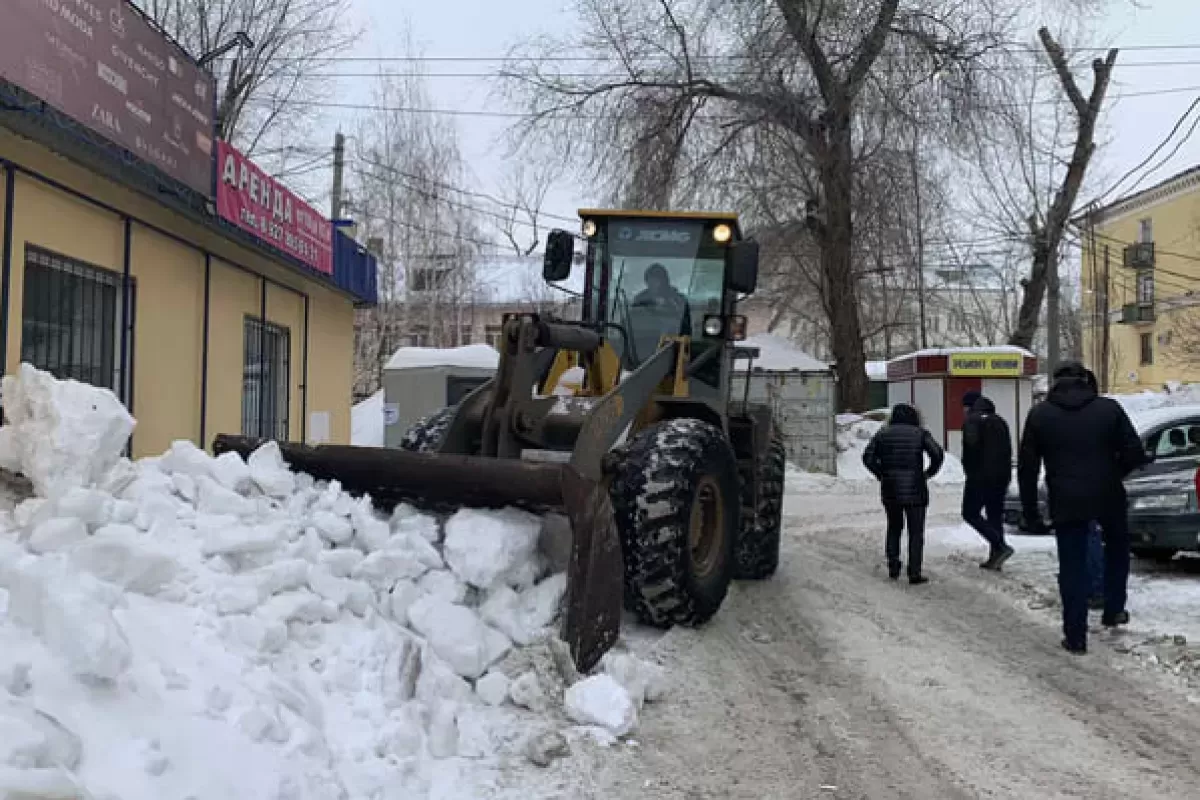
672 484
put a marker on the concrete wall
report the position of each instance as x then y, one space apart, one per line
167 267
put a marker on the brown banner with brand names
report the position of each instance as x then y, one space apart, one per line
102 64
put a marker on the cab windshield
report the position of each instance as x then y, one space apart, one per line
655 278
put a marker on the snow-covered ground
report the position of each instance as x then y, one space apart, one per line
367 422
191 627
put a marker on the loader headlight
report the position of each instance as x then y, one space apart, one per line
713 326
589 228
722 233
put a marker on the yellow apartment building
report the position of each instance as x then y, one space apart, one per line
1140 281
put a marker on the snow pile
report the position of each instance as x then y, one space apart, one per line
189 626
777 354
366 422
854 433
1173 395
471 356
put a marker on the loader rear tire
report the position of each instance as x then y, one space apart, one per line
675 499
758 545
426 433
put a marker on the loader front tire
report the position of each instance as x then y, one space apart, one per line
675 498
758 546
426 434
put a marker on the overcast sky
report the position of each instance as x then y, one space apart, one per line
455 28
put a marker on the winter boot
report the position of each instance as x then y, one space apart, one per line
1122 618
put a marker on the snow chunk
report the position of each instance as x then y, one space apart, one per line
384 568
333 528
186 458
57 534
72 613
231 471
600 700
458 636
232 538
492 688
442 584
117 554
403 595
525 617
270 473
61 434
485 547
645 682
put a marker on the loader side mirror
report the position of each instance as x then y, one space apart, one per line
743 267
560 252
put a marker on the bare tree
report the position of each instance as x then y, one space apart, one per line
803 74
524 195
1047 222
404 170
268 88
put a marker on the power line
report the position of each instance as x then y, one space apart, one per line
482 113
729 75
1174 129
1014 47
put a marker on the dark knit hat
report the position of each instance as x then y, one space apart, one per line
969 398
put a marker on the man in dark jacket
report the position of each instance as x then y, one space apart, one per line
987 461
1088 445
896 456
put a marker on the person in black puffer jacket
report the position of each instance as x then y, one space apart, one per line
896 456
1088 446
987 462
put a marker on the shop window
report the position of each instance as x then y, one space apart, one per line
71 320
266 380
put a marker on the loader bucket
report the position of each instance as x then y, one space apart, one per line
595 570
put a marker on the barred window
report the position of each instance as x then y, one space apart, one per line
266 380
71 320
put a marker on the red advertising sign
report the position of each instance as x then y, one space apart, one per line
256 202
101 63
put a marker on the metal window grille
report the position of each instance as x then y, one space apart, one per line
71 320
266 380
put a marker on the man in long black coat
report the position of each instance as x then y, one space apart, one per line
987 461
1088 445
896 456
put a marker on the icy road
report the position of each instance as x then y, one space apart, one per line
831 681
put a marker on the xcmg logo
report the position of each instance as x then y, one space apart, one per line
668 235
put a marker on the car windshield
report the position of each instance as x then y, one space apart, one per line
664 277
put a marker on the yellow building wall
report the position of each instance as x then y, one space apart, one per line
67 226
233 296
331 361
286 309
1176 234
168 340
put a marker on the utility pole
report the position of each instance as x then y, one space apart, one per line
920 231
339 167
1053 320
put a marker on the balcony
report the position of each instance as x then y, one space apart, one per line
1139 255
1137 313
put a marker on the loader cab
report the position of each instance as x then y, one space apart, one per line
650 275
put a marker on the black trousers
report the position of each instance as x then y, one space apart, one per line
896 516
978 499
1074 578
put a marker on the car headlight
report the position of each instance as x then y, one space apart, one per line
1162 502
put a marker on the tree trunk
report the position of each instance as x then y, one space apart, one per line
837 267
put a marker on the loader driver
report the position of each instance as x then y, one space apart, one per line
664 298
